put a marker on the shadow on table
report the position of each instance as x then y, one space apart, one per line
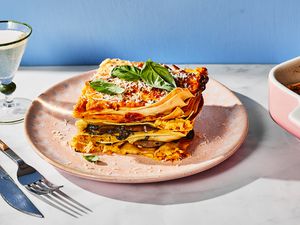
268 151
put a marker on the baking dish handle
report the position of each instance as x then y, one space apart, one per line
294 116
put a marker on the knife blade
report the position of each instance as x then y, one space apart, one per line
14 196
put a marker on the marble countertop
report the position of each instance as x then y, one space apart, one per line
259 184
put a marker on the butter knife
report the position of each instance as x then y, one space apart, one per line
14 196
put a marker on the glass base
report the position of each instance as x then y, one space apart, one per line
14 113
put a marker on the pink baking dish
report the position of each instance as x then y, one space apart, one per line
284 104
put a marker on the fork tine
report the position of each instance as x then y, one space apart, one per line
59 191
43 194
71 199
42 197
67 202
41 186
62 204
54 188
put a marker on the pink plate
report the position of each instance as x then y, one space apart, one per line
220 129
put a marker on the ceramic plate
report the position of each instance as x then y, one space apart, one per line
220 129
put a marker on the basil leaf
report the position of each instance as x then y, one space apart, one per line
157 76
162 71
106 87
130 73
91 158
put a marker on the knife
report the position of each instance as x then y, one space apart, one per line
14 196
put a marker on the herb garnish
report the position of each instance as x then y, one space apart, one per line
130 73
91 158
106 87
155 75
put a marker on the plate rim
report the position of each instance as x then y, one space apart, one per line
111 179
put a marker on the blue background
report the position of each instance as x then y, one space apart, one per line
69 32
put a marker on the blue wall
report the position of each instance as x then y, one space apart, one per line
204 31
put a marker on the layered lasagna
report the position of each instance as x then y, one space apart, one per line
140 108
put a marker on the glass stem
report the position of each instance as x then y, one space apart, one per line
9 101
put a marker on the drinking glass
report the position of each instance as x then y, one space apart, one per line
13 39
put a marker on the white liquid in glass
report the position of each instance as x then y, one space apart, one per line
10 55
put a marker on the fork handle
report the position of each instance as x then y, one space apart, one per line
10 153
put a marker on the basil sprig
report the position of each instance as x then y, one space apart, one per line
106 87
130 73
153 74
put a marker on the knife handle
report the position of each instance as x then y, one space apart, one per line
10 153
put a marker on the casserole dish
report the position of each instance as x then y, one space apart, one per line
284 104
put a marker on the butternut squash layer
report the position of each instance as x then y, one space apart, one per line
169 151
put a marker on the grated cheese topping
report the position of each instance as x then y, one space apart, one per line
138 93
135 91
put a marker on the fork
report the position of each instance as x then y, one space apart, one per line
39 186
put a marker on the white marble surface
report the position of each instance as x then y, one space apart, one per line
259 184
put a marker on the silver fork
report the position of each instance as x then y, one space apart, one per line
39 186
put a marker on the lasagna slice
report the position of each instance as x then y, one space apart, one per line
141 108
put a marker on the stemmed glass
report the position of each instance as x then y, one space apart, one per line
13 39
